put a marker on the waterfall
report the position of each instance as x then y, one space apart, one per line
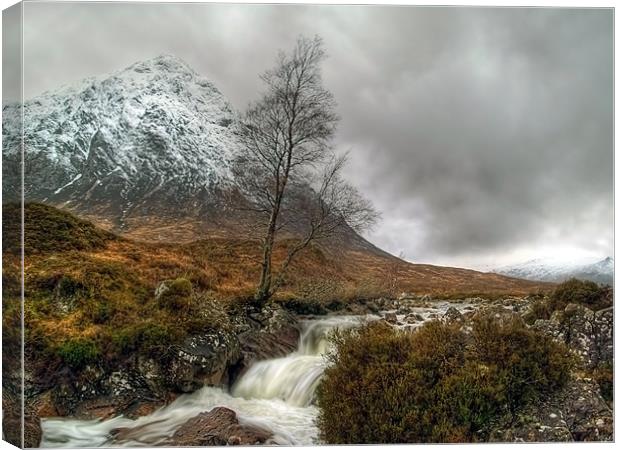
275 394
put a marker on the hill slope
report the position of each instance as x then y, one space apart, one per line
146 153
229 268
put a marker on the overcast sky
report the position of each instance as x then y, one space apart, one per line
484 136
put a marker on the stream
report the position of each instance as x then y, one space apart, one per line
276 395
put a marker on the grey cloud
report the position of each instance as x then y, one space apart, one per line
479 133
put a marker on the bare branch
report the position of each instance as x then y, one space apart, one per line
288 175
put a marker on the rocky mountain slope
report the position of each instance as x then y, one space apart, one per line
601 272
153 139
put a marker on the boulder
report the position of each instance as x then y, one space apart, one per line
413 318
273 333
203 360
452 315
403 309
217 427
498 313
575 413
589 334
604 329
391 318
373 307
356 309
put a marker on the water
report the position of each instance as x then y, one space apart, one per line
275 394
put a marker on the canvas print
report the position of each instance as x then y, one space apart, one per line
246 224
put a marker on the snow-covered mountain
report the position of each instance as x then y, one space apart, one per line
557 270
154 138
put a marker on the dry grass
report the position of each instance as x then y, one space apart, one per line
105 293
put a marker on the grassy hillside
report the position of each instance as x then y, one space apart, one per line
90 293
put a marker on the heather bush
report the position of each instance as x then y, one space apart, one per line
437 384
78 353
176 295
585 293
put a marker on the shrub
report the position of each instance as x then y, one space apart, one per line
99 312
175 295
525 363
147 337
80 352
539 309
585 293
437 384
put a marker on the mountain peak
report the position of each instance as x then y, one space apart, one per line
153 136
164 62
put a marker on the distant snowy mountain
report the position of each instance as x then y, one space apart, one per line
154 138
601 272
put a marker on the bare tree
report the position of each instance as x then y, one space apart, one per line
393 273
289 175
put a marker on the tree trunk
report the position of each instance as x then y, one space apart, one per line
262 292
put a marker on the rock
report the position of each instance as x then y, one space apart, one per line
219 426
575 413
413 318
162 288
589 334
498 313
277 335
452 315
604 328
530 429
588 416
373 307
391 318
357 309
403 310
203 360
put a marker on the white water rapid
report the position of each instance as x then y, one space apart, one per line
275 394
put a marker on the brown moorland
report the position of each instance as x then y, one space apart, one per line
82 282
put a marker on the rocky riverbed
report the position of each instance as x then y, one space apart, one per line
255 384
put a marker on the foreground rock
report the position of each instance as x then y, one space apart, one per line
203 360
270 333
576 413
587 333
219 426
